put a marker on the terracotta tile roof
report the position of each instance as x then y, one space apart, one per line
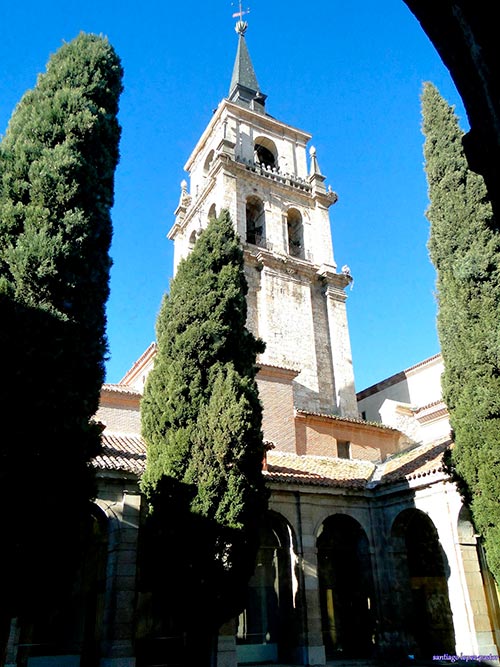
427 406
120 389
290 369
318 470
418 462
431 411
349 420
121 452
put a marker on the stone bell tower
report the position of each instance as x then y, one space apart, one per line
257 167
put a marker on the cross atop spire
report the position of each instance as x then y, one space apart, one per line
240 13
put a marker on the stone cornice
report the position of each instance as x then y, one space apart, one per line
279 262
298 268
144 360
265 121
398 377
335 282
257 119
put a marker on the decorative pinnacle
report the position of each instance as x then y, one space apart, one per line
241 27
314 170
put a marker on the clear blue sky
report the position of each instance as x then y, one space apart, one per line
350 73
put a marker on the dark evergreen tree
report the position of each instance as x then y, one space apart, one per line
201 420
465 249
57 163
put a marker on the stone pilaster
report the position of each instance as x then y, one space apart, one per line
118 649
340 343
226 646
313 650
12 644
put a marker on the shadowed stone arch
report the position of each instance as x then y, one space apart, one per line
75 629
421 571
268 628
346 588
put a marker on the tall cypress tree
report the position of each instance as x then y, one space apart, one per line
201 420
57 163
464 246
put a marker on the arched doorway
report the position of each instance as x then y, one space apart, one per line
421 580
346 588
268 626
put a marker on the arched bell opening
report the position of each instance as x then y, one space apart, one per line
255 221
295 232
265 153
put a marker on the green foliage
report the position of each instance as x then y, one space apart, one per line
201 420
57 162
464 246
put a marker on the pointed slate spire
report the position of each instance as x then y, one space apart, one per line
244 88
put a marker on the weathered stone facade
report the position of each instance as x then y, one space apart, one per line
256 167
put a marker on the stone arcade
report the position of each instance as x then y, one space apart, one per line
367 552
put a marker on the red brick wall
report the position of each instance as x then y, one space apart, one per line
276 395
318 435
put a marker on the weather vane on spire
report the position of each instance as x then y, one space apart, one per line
241 25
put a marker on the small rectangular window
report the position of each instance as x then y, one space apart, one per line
343 449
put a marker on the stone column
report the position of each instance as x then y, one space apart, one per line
118 651
484 638
313 650
226 646
387 587
12 644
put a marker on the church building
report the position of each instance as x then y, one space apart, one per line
367 552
